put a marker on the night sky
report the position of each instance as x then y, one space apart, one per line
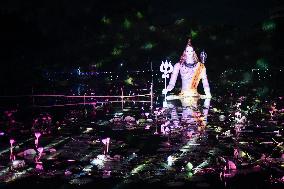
64 34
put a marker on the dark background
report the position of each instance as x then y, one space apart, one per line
39 38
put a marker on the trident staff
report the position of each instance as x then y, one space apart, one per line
166 68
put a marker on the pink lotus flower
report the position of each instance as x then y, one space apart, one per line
37 134
12 141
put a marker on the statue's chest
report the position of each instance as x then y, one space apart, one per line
186 72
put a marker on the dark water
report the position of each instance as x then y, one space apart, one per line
201 140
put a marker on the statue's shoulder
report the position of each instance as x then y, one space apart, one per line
201 64
177 65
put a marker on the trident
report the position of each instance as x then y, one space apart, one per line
166 67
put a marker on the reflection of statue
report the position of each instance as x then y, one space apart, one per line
191 112
194 116
191 71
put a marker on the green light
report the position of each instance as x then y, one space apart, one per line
126 24
180 21
139 15
99 64
193 34
189 175
262 64
247 77
138 169
261 92
189 166
152 28
105 20
148 46
268 26
116 51
129 81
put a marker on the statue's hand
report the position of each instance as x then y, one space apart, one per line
208 96
165 91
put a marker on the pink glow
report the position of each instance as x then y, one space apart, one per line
106 143
39 166
40 150
37 134
68 173
231 165
12 141
236 153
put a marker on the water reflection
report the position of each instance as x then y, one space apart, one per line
206 137
194 113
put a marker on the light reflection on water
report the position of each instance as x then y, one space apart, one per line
205 135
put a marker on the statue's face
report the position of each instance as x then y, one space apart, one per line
189 54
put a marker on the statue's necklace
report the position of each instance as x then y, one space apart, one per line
190 65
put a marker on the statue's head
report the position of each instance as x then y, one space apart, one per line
189 54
